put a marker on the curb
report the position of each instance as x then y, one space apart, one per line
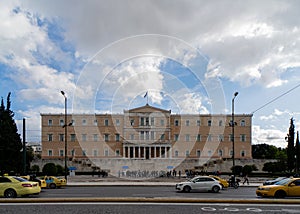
150 200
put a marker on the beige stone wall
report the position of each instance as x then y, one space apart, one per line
96 135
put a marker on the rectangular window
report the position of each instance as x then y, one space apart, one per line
50 137
162 137
95 153
221 138
73 122
187 123
61 153
106 137
84 122
198 123
198 153
132 122
142 135
50 122
162 122
209 138
176 136
117 122
61 122
198 138
152 121
243 138
147 121
243 123
117 137
106 153
142 121
84 137
176 123
176 153
106 122
147 135
131 136
187 153
96 138
84 152
220 122
61 137
118 152
230 137
209 122
187 137
50 153
73 137
95 122
152 135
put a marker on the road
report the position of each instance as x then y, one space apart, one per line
56 201
143 191
124 208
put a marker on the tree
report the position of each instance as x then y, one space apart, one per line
265 151
297 153
10 140
291 148
49 169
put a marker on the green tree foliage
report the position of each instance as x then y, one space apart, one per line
10 140
265 151
297 153
274 167
35 169
291 148
248 169
49 169
60 170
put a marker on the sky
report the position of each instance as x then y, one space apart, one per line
190 56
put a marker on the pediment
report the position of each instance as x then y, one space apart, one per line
148 109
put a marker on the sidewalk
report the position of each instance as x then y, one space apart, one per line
88 180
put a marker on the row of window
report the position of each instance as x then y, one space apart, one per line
145 121
117 153
146 135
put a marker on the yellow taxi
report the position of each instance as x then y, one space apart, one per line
13 186
281 189
41 181
222 181
55 182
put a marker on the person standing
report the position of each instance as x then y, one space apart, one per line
246 179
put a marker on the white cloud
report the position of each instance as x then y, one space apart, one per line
269 136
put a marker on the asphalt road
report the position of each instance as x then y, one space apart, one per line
124 208
143 191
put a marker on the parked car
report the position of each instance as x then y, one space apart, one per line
281 189
42 182
13 186
273 181
55 182
200 183
222 181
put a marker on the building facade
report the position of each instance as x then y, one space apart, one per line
146 133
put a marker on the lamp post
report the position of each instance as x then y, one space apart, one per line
66 132
232 126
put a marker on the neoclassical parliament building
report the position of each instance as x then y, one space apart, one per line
146 137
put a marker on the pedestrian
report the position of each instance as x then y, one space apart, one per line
246 179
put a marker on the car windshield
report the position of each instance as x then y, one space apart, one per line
283 182
19 179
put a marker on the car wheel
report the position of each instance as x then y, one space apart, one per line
186 189
280 194
52 186
215 189
10 193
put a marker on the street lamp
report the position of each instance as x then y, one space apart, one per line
232 126
66 132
